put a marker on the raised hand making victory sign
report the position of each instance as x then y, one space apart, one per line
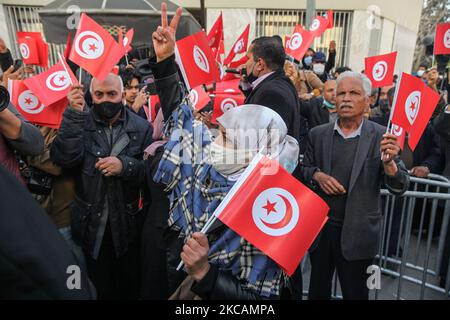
164 37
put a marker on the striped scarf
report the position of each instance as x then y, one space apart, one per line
196 189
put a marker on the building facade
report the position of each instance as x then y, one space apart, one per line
362 27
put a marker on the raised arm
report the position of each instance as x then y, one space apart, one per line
164 68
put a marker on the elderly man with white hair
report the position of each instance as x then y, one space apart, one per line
103 145
347 162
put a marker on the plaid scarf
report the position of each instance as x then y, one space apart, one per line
196 189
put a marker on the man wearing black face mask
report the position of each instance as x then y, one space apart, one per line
104 145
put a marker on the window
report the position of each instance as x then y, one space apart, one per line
283 22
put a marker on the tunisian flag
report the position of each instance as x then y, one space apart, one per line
225 101
215 35
299 42
287 38
321 23
126 42
52 85
414 104
380 69
196 61
400 134
199 98
29 50
275 212
240 46
33 48
217 53
94 49
34 110
442 39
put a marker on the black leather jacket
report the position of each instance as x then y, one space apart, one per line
80 142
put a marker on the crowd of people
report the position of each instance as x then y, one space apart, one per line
129 191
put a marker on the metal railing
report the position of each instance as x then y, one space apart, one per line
413 242
26 18
420 256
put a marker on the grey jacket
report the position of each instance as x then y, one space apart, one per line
363 214
30 142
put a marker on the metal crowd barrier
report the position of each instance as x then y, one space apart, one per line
418 255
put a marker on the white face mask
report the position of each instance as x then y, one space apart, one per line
420 73
229 161
319 68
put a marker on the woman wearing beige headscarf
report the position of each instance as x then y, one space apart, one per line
220 265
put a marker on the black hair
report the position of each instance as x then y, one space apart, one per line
128 75
134 54
271 50
278 38
341 70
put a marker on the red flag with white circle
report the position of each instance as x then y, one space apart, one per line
196 60
276 213
380 69
442 39
32 109
54 84
240 46
413 106
299 42
199 98
28 50
224 102
125 42
128 40
400 134
287 38
94 49
33 49
215 35
321 23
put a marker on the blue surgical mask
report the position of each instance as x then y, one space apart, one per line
328 104
308 61
319 69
